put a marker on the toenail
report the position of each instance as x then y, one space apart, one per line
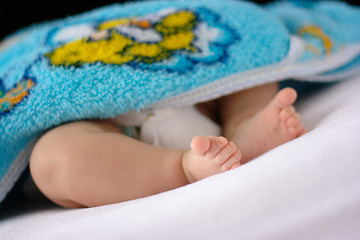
222 140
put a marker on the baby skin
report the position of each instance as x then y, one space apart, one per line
84 164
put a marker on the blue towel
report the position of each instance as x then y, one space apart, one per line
156 54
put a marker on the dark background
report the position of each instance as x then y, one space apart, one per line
18 14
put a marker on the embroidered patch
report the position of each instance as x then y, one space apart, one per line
168 40
318 33
9 99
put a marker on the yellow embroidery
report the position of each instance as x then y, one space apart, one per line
317 32
178 41
180 19
145 50
85 51
114 23
174 29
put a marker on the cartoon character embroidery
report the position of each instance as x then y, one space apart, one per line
174 40
169 36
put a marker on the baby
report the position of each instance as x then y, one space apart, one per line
92 163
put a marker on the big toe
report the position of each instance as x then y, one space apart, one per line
295 126
200 144
284 98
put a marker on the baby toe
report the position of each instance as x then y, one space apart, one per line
286 113
232 162
200 144
294 120
225 153
284 98
296 130
302 132
216 144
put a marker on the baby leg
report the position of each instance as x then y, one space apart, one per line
92 163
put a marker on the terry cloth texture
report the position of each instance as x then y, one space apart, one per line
153 54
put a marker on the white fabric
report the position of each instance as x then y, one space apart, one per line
171 128
305 189
174 128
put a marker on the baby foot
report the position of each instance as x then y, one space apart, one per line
209 156
276 124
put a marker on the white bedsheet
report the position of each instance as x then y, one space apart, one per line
305 189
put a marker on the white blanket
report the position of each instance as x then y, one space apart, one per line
308 188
